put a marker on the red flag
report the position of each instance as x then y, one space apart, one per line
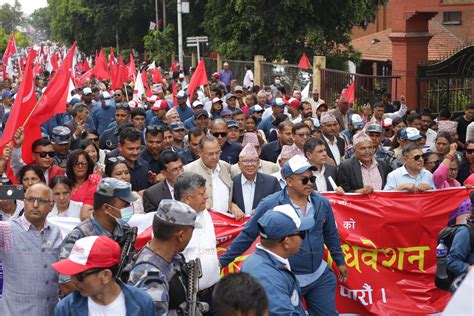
80 81
9 52
121 75
173 66
304 62
132 70
156 75
51 103
100 69
145 84
349 93
54 61
112 64
85 65
37 69
199 78
173 90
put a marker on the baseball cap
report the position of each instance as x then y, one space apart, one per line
86 91
293 102
160 105
387 122
324 105
215 100
105 95
181 76
153 98
200 113
215 75
61 135
88 253
176 126
230 96
296 165
181 94
278 102
6 94
176 213
355 120
197 103
116 188
283 221
232 123
373 128
238 88
410 133
226 112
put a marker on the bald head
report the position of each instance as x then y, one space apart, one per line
38 203
40 187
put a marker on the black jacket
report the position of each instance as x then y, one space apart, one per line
350 174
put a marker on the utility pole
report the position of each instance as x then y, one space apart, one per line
180 35
164 14
156 15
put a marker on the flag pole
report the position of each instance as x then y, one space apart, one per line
32 111
125 88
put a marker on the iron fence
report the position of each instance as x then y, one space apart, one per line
291 77
454 93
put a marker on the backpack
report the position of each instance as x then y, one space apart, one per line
447 234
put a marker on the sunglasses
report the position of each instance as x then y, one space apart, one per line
417 157
219 134
305 180
43 154
301 234
470 151
81 276
116 159
154 128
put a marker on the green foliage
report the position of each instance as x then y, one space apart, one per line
285 29
11 16
159 45
41 20
20 39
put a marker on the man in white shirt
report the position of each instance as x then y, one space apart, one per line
190 188
335 145
315 101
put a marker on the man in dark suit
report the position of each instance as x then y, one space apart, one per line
334 145
272 150
326 175
342 113
171 167
363 173
251 186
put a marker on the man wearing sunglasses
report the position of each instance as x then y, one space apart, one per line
42 153
28 246
412 176
317 281
282 232
229 150
92 265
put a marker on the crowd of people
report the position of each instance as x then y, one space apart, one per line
261 153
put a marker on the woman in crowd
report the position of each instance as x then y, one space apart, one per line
93 151
445 174
80 170
29 175
466 167
63 206
115 167
273 135
442 143
252 127
431 160
93 135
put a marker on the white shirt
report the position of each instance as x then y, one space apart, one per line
280 179
116 308
296 120
220 192
430 137
7 217
314 105
203 246
170 188
74 210
248 79
321 180
277 257
248 193
334 149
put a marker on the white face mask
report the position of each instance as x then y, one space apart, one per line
126 213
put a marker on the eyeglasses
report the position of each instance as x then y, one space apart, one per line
154 128
81 276
417 157
303 135
249 161
117 95
470 151
116 159
305 180
301 234
43 154
453 170
81 164
177 169
219 134
217 153
32 200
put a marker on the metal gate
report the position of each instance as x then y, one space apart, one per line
448 83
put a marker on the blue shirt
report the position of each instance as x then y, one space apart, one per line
400 176
109 139
103 117
226 77
184 112
267 125
460 256
139 175
230 152
190 123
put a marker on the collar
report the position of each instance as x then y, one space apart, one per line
244 180
405 171
322 171
374 163
218 167
27 225
170 187
328 141
278 258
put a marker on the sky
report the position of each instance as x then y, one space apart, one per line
28 6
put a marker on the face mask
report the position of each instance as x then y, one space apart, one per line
125 213
277 81
109 103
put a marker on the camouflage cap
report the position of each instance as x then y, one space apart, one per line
116 188
176 213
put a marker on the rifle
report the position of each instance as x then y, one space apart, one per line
194 272
127 253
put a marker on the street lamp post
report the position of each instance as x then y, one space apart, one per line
180 34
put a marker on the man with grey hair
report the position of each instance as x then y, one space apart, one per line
28 247
190 188
218 177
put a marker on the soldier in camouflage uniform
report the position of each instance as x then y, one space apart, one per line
158 266
374 131
61 141
112 211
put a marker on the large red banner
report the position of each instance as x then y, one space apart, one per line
389 244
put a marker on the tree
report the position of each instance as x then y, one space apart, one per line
20 39
160 45
11 16
285 29
41 21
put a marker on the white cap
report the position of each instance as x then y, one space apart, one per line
86 90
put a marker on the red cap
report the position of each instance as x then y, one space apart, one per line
160 105
293 102
216 75
88 253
